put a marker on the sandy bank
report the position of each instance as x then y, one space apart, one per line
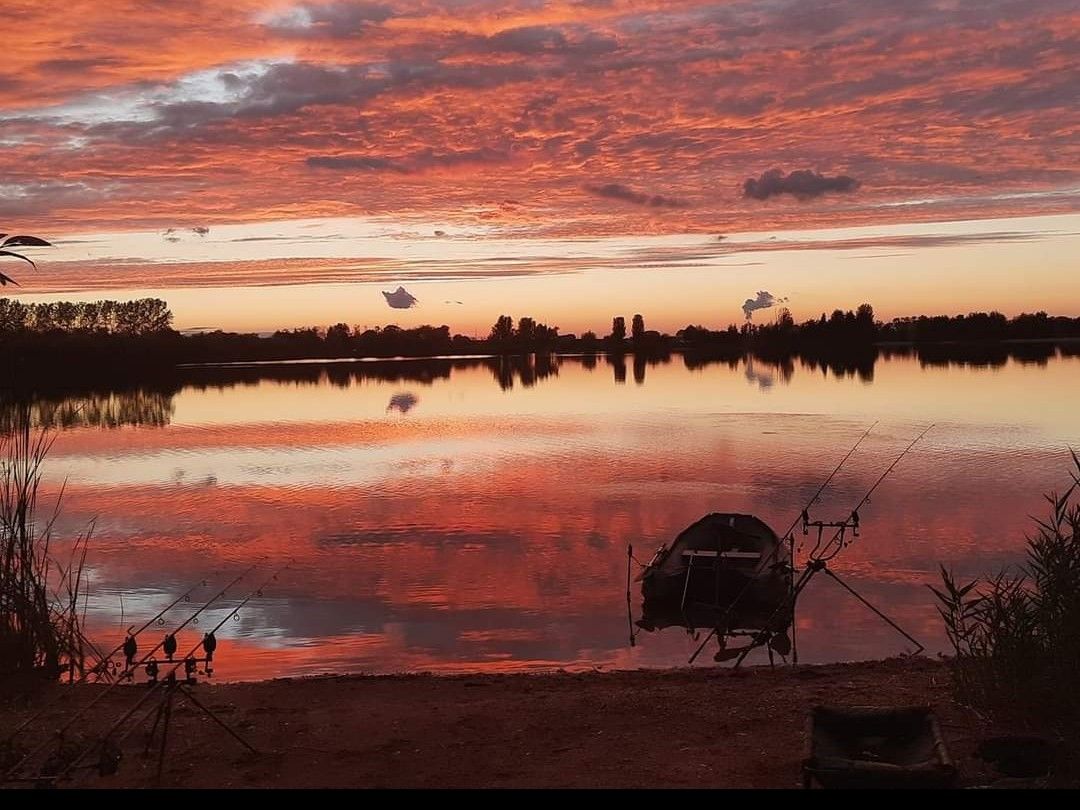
673 728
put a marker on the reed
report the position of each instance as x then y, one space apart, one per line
40 623
1016 636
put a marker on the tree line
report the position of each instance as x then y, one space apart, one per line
859 328
120 335
143 316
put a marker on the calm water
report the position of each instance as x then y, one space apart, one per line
470 516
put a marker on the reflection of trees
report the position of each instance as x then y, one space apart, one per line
139 407
340 375
859 361
618 367
697 360
526 368
988 355
643 358
82 399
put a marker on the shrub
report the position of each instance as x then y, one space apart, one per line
1016 636
40 626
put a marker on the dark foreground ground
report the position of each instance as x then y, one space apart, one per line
674 728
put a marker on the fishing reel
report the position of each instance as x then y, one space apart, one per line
842 528
852 522
153 667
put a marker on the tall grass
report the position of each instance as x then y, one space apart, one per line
40 624
1016 636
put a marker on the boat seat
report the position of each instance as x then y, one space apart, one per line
728 555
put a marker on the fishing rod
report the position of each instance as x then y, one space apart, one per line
838 537
103 660
108 690
787 536
819 562
828 480
208 642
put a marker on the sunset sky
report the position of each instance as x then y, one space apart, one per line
567 160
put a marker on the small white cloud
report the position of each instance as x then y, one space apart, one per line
763 300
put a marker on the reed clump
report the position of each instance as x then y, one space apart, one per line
1016 636
40 623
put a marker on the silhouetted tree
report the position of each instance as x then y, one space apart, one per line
637 329
526 331
618 333
503 330
338 338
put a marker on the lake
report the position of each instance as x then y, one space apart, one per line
474 514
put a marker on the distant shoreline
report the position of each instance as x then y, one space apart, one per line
125 337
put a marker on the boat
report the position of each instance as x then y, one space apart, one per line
728 572
731 573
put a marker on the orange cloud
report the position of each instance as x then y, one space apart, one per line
252 111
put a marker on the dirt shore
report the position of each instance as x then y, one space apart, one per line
672 728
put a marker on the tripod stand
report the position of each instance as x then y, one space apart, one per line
818 562
163 716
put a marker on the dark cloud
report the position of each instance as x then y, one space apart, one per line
803 184
617 191
586 148
355 163
400 299
417 162
535 40
336 20
747 105
430 158
78 65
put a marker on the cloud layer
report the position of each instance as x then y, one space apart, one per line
630 116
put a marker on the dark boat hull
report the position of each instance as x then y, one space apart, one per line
726 571
729 599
